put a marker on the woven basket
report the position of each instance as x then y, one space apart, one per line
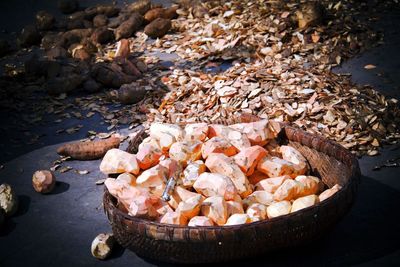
183 244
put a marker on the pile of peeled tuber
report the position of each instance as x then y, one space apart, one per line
205 175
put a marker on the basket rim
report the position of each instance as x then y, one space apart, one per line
353 175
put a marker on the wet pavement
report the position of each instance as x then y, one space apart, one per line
57 229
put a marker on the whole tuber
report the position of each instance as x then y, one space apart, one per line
43 181
8 200
102 246
88 150
130 93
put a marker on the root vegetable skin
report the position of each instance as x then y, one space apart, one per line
88 150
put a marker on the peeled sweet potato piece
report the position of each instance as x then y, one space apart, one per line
294 156
196 131
257 176
119 161
289 190
311 185
200 221
234 207
271 184
278 209
215 184
274 167
180 194
304 202
257 212
240 218
218 145
248 158
185 151
262 197
329 192
192 172
215 208
220 163
258 132
173 217
236 138
148 156
190 207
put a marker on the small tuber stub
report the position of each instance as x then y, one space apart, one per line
43 181
102 246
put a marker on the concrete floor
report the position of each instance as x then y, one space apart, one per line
57 229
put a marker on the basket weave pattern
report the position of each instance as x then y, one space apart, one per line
183 244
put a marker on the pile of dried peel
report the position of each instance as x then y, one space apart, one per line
279 70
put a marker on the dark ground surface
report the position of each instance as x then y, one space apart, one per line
57 229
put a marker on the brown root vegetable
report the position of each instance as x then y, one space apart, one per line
74 36
141 6
110 75
29 36
158 28
80 54
44 20
123 49
128 67
170 13
165 13
129 27
91 86
115 22
108 10
56 52
43 181
49 40
100 20
63 84
130 93
88 150
154 14
102 35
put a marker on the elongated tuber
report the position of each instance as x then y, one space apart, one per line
88 150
